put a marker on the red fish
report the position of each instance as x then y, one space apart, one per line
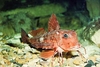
54 41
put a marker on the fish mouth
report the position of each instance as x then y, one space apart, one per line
74 48
78 49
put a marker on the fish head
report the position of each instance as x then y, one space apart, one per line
69 40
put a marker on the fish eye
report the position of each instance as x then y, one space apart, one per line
66 35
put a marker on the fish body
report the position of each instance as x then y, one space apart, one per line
54 41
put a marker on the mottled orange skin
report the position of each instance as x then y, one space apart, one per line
54 41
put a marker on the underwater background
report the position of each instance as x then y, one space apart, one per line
83 16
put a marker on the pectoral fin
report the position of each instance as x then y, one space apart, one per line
47 54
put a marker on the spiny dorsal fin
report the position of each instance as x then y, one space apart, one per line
37 32
53 23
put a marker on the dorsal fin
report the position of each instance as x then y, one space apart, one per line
24 36
37 32
53 23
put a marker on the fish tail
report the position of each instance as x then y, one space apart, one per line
24 36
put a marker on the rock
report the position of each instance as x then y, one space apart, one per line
77 61
96 38
31 63
20 61
15 41
92 58
92 50
91 4
93 66
70 62
97 58
98 65
7 62
90 64
21 20
7 30
41 10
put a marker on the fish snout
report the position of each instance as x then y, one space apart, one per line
76 47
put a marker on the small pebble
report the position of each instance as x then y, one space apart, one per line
93 58
77 60
98 65
93 66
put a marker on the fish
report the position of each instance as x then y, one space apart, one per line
53 41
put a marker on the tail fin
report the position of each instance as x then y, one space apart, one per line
24 36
